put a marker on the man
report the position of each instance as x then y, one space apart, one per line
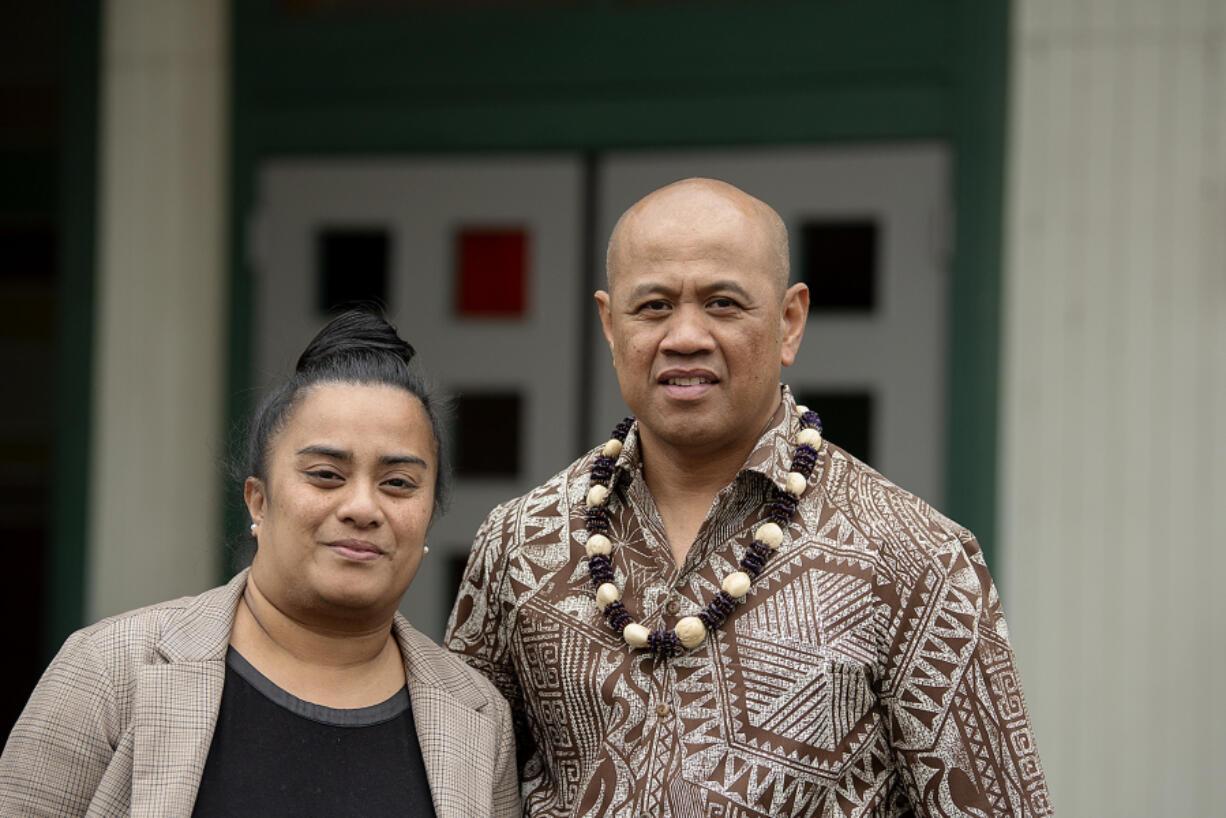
720 613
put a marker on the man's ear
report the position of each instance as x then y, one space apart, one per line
604 307
792 318
256 498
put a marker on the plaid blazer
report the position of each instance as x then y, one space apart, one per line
122 720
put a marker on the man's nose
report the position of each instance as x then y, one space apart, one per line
688 331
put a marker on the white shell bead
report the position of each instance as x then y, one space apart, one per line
613 448
635 635
770 535
607 594
690 631
597 495
736 585
796 483
598 544
809 437
801 409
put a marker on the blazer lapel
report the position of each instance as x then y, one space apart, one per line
175 704
458 741
441 721
174 714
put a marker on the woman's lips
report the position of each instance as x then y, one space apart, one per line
356 550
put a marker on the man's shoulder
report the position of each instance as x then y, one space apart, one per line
554 497
888 517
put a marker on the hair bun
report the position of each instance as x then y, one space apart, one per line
354 335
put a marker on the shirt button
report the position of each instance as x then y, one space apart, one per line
661 710
673 607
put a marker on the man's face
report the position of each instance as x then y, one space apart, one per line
698 319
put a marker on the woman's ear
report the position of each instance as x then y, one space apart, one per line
256 498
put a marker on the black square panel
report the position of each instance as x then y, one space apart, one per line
847 419
838 261
351 267
487 434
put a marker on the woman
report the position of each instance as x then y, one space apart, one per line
295 689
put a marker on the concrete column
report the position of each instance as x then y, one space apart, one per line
160 342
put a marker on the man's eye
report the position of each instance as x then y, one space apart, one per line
323 474
655 306
723 303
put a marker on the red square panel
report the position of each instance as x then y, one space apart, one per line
492 274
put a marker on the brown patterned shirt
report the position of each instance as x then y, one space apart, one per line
867 672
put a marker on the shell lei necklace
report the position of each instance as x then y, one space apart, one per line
691 630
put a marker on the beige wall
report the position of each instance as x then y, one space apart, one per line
160 331
1114 399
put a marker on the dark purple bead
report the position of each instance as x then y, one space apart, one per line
602 470
600 568
752 564
663 643
615 613
717 610
781 510
597 520
804 460
764 551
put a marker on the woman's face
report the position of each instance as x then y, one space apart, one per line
342 519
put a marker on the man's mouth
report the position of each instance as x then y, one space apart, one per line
687 381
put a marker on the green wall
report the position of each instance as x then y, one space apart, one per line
585 77
582 76
597 75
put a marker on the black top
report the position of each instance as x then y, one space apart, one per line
274 754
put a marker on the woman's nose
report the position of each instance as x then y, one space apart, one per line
360 506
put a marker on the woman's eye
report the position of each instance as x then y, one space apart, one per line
400 483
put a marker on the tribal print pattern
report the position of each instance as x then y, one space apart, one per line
868 671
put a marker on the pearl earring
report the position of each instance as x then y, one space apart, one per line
425 549
253 529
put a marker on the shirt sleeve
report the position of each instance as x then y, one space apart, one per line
483 616
959 730
65 738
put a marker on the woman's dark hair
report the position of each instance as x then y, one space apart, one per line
359 347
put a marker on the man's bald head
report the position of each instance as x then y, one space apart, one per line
694 207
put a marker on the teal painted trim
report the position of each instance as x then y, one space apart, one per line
240 396
586 49
903 110
66 564
239 400
974 341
